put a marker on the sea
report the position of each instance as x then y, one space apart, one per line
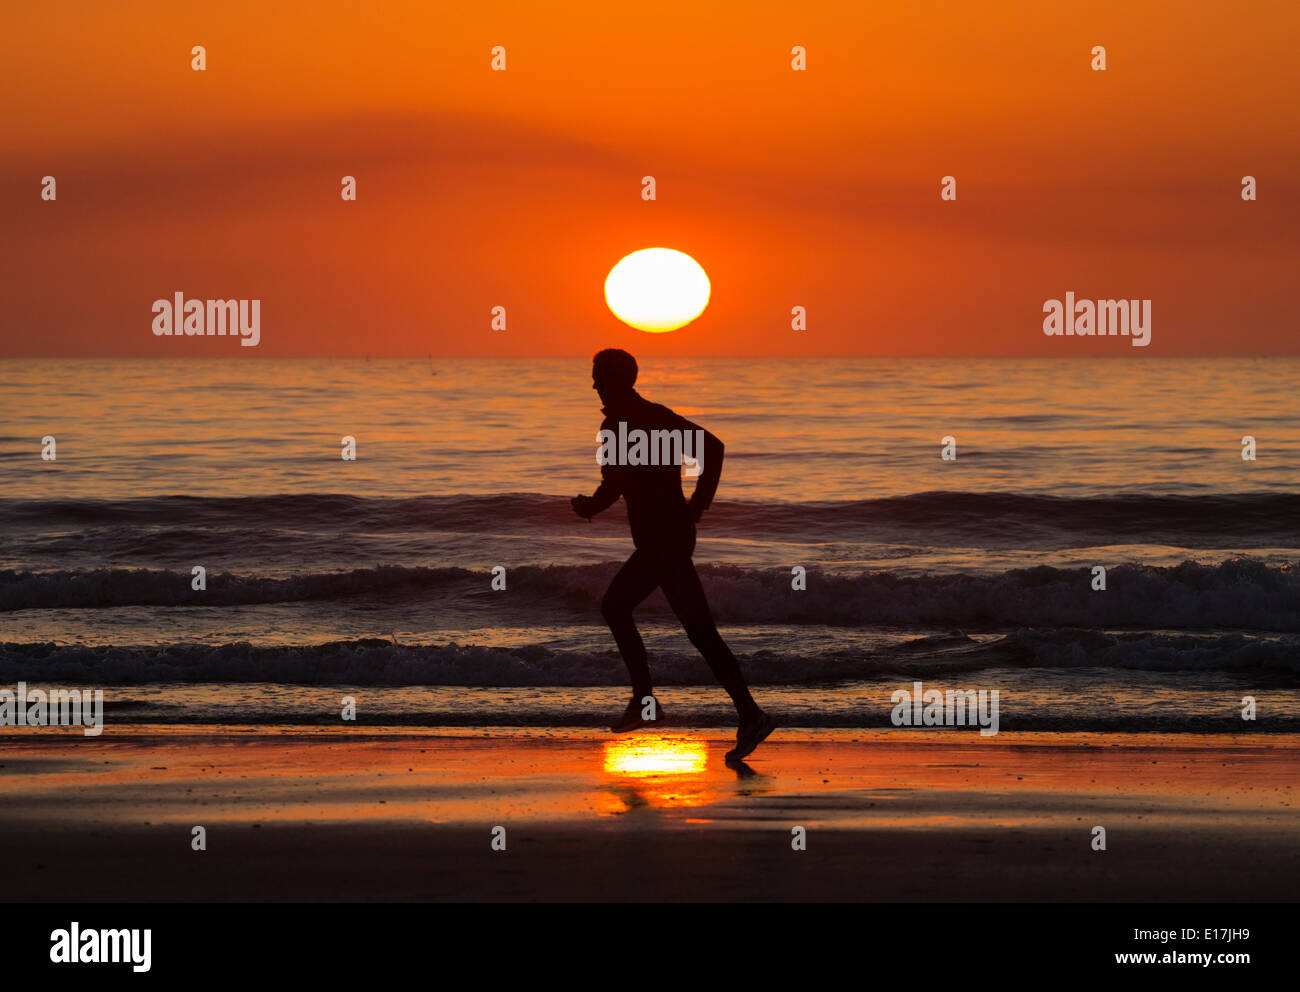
845 557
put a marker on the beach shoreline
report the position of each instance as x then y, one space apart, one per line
359 814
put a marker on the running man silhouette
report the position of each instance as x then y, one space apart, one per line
663 531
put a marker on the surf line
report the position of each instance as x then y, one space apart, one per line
58 708
956 708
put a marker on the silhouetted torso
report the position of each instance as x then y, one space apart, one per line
656 507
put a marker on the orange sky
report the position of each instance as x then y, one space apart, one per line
480 188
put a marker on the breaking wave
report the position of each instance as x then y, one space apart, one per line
1241 594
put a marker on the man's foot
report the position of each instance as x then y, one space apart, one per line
631 718
750 734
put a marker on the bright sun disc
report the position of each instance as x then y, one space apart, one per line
657 289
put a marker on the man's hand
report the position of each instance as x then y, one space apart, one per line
582 506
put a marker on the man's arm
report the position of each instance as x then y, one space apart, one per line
605 496
706 484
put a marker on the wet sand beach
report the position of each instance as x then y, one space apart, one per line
304 814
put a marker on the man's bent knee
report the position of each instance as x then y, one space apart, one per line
704 637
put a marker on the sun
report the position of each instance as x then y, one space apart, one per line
657 289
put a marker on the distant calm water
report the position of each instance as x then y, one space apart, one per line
798 430
975 571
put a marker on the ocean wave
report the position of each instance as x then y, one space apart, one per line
1261 519
113 587
1242 593
373 661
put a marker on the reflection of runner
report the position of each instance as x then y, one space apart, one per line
663 530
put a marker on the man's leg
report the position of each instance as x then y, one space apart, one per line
681 585
634 582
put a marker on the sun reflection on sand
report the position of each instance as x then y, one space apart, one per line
654 754
663 770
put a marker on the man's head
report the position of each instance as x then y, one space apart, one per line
613 374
